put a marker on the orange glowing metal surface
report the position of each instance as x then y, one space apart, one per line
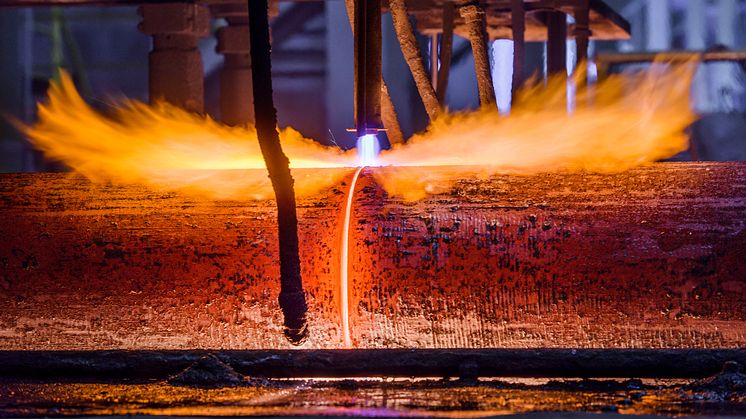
624 121
649 258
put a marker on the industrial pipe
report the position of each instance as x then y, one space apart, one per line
413 57
474 21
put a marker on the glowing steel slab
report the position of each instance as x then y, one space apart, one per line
650 258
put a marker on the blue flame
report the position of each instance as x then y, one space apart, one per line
368 148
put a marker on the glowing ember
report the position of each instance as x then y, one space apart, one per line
624 121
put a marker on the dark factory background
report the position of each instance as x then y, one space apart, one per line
313 67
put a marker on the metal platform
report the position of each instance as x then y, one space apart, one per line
604 22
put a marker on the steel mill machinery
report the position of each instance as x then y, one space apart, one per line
629 288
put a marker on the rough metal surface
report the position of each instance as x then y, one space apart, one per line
650 258
91 267
654 257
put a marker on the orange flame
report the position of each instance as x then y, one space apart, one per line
624 121
165 147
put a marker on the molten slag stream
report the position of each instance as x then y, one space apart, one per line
344 263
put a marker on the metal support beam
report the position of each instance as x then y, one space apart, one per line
518 27
446 52
411 51
236 91
16 99
673 56
556 43
658 25
175 63
582 31
434 60
474 20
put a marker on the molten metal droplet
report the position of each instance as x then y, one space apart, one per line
368 148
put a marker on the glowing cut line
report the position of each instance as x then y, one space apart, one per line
344 263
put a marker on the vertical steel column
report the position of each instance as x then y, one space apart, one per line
446 51
658 25
175 63
475 22
582 31
16 100
411 51
725 78
434 60
556 43
696 40
518 26
367 67
236 91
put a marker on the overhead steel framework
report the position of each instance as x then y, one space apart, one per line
176 66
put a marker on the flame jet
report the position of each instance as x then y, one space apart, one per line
624 121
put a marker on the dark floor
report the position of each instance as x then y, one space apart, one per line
372 398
